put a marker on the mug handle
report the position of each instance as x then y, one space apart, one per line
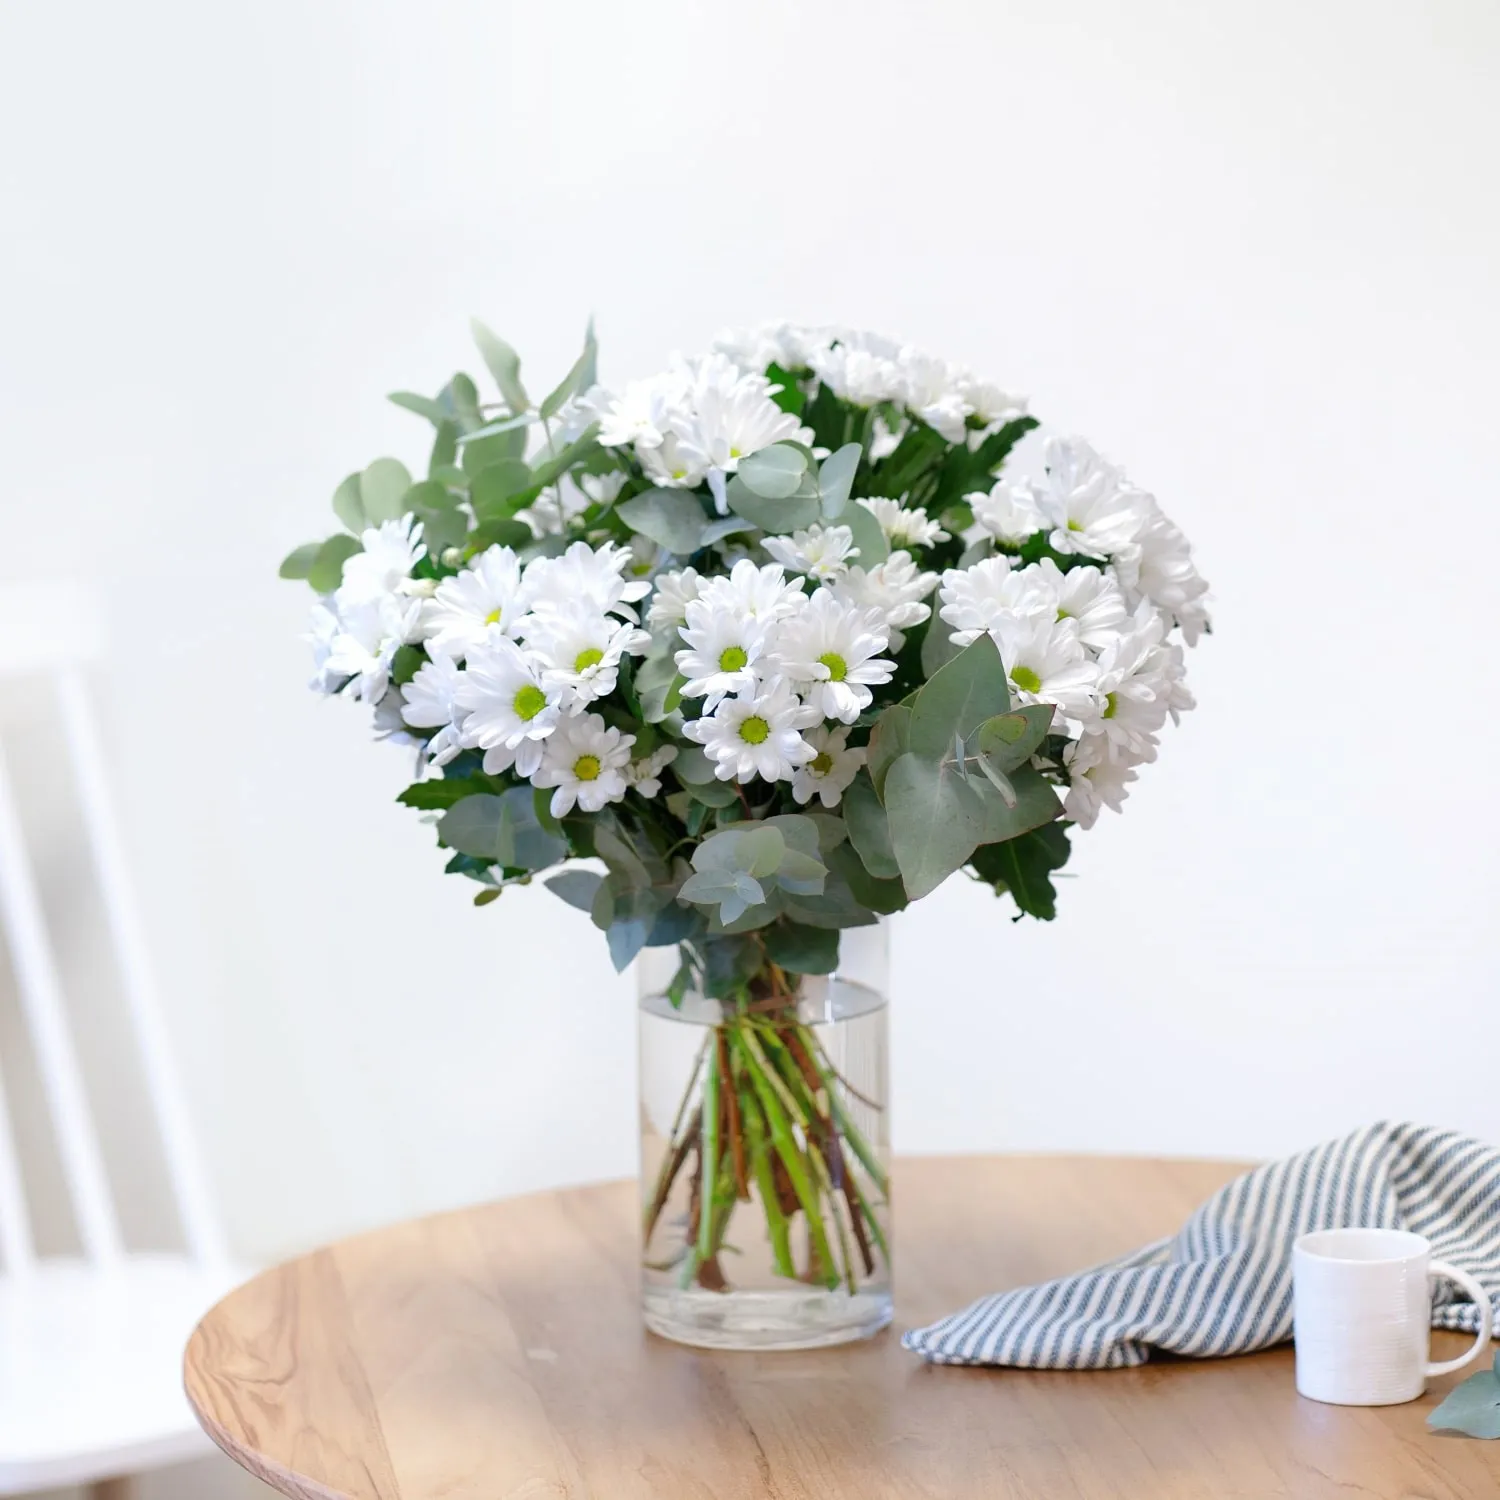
1486 1317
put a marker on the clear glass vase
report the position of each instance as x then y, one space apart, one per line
765 1153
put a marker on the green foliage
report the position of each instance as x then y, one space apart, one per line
936 817
836 479
775 490
440 794
673 519
802 950
326 571
501 488
868 537
298 563
774 473
958 698
1472 1408
577 887
1024 865
869 828
504 829
888 739
583 374
504 364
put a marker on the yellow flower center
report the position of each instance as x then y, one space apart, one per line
586 768
821 764
1062 614
590 656
1111 703
733 659
838 668
1025 679
529 702
1075 526
493 618
754 730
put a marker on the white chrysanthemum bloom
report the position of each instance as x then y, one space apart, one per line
644 776
586 575
725 652
861 374
390 727
585 760
1007 513
323 631
756 734
822 552
640 415
1095 781
902 527
580 650
370 632
1166 576
1047 664
391 551
1133 691
510 710
674 592
427 702
1087 598
975 600
760 592
786 344
931 391
827 775
989 403
895 587
885 440
1087 502
832 651
487 598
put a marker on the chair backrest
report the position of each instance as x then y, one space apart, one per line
53 629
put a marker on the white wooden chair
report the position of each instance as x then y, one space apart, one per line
90 1347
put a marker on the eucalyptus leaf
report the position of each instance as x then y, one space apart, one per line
496 488
802 874
495 448
771 515
716 531
348 506
938 647
671 518
957 699
1010 740
577 380
836 907
552 468
871 541
801 949
484 430
298 563
423 406
440 794
444 448
836 478
692 766
1036 803
327 570
888 739
869 828
1472 1408
460 400
576 887
504 364
774 473
882 896
382 488
713 793
504 829
937 820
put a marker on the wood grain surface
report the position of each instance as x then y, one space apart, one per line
497 1354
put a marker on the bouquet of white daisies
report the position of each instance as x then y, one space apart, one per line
768 638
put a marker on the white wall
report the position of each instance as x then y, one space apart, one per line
1249 250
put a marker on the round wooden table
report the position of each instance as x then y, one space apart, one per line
496 1354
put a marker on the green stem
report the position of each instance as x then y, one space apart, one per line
711 1083
765 1181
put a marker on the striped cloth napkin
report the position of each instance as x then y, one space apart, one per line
1223 1283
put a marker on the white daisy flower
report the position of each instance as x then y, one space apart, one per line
390 727
579 651
1087 502
834 649
1095 780
323 631
586 575
674 592
1166 576
391 551
902 527
640 416
510 710
756 735
786 344
488 597
1133 691
586 760
931 391
885 440
369 634
1047 664
644 776
895 587
762 593
975 600
864 374
725 653
991 404
427 702
1086 597
828 774
822 552
1007 513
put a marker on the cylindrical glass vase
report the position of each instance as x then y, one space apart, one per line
765 1153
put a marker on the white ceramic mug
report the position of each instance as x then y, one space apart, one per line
1362 1309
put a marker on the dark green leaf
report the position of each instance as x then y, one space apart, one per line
790 398
729 963
440 795
1023 866
802 950
327 570
919 450
673 519
883 896
483 898
828 417
406 663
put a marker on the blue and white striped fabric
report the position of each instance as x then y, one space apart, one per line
1223 1283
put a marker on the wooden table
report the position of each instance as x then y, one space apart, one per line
496 1354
